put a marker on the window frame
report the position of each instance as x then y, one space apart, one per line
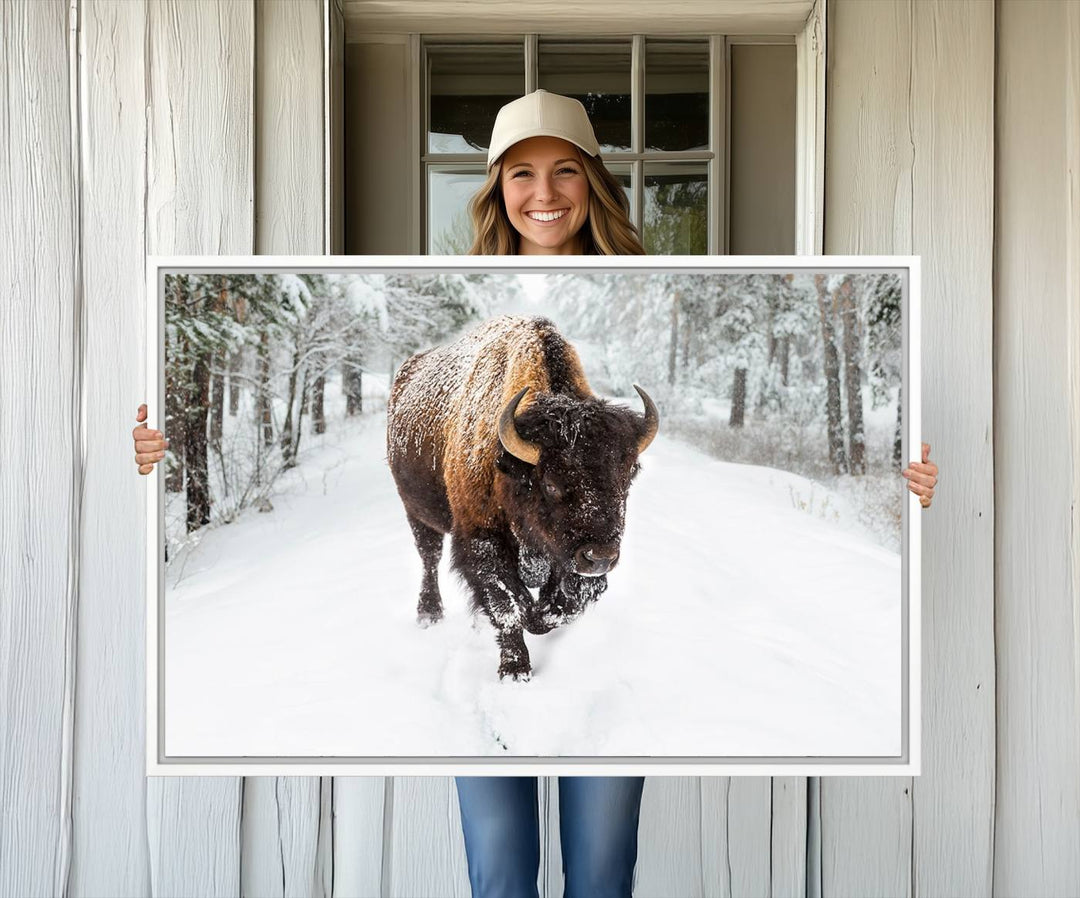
810 117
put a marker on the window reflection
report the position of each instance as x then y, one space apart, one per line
449 192
676 95
596 74
467 85
676 208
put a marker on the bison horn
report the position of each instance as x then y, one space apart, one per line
652 420
510 438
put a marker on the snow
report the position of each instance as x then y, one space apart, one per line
739 621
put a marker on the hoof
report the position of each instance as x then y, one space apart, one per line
426 618
516 676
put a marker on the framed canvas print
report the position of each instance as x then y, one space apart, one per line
502 515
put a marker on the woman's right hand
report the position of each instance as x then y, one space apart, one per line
150 444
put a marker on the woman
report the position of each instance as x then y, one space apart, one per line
547 193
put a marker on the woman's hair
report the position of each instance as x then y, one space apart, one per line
607 231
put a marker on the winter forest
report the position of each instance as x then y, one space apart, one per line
767 514
794 371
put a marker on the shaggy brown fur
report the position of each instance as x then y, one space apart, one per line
445 404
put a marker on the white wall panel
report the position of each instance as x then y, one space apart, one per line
424 853
1037 821
110 853
670 838
41 469
952 130
909 156
362 811
788 837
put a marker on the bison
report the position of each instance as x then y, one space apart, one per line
498 440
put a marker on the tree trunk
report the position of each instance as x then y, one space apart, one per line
305 392
217 401
318 416
234 384
263 416
287 427
195 445
853 380
738 398
898 438
354 386
687 337
832 378
785 355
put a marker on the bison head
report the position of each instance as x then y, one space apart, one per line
567 464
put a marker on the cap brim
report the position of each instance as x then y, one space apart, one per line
496 152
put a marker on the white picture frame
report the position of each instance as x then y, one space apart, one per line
907 762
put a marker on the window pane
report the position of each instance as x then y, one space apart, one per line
676 208
449 192
597 74
676 95
466 87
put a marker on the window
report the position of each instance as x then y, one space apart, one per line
659 107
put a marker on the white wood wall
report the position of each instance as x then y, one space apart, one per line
197 127
909 146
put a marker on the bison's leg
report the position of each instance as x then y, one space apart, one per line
429 543
489 566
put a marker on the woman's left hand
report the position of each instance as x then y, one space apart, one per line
922 477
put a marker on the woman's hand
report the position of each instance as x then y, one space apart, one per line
922 478
150 445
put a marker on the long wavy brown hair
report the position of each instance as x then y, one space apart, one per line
607 231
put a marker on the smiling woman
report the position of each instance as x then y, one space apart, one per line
547 190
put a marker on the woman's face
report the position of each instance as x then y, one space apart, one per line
546 195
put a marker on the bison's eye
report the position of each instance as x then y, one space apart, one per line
552 490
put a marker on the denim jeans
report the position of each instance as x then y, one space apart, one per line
598 820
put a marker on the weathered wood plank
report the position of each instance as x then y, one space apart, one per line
280 837
110 854
199 200
670 838
39 443
910 171
788 845
736 823
1037 822
865 835
360 819
952 129
426 850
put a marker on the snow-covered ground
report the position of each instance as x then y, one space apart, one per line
738 622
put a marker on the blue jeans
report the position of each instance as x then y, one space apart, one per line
598 821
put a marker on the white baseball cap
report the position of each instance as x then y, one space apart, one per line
541 114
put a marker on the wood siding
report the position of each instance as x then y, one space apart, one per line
910 148
1036 839
953 132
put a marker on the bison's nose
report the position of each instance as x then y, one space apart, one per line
592 559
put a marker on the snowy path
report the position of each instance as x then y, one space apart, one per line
734 625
